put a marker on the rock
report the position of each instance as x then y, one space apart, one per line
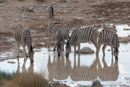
11 62
16 20
86 50
1 5
65 12
126 29
78 18
124 39
41 27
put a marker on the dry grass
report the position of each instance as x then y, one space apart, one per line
28 80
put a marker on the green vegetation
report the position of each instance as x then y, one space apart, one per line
1 1
6 75
21 0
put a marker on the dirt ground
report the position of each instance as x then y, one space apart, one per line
35 15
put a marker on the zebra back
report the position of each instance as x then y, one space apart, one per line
109 37
53 26
83 35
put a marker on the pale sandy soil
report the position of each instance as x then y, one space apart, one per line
35 16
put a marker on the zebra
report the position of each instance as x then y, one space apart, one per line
109 38
23 37
62 34
81 35
53 25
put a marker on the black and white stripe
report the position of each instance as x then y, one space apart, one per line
53 25
23 37
82 35
61 35
110 38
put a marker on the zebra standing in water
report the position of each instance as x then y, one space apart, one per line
61 35
110 38
53 25
82 36
23 37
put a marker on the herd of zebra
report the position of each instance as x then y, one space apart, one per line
60 31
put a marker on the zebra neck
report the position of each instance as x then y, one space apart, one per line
51 18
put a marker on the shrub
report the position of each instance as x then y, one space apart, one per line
5 75
29 80
1 1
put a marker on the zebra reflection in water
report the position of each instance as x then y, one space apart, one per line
30 69
84 73
58 69
108 73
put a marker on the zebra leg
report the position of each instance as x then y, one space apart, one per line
95 42
74 50
98 48
25 54
103 49
55 44
112 51
63 45
79 49
49 41
18 50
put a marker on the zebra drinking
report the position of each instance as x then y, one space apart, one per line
53 25
61 35
82 35
109 38
23 37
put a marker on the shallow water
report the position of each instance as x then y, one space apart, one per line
83 70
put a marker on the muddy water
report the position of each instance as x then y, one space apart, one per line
83 70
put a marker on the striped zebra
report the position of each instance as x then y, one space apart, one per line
53 25
61 35
82 35
109 38
23 37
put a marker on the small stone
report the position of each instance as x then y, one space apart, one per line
16 20
86 50
78 18
1 5
41 27
65 12
11 62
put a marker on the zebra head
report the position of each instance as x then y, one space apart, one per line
59 49
31 54
116 47
68 48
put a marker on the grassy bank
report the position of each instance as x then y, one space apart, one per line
25 80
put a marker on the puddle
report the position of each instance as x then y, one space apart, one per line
74 71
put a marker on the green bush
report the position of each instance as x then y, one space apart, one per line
1 1
6 75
